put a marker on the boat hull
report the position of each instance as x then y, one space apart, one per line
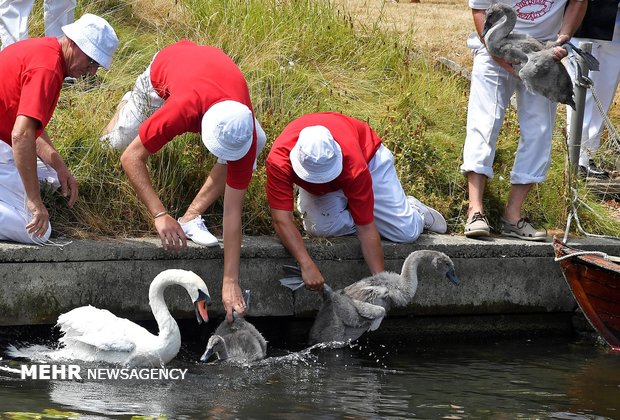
595 284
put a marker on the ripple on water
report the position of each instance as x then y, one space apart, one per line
510 379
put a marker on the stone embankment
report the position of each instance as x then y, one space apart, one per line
501 279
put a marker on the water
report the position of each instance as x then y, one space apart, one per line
503 379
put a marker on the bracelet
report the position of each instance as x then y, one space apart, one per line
160 214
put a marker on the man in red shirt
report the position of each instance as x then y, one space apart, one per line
347 184
31 76
198 89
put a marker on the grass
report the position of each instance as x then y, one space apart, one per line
298 57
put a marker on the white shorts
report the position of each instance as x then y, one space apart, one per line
396 220
14 215
490 92
140 103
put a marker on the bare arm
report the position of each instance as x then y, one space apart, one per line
479 16
48 154
231 292
211 190
370 242
573 15
25 154
284 226
134 160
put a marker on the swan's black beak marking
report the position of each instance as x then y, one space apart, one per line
200 307
451 275
203 296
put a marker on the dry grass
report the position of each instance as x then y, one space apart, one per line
438 28
298 57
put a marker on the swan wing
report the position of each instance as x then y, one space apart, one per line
544 76
366 292
355 313
258 338
243 346
99 328
104 343
244 343
371 312
328 326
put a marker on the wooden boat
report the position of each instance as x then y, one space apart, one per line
595 283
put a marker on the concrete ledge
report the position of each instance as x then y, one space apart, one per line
498 276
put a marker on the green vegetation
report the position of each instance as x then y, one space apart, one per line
299 56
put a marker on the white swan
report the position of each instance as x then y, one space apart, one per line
532 60
97 335
238 341
388 289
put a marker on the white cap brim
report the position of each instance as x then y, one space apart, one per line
95 37
322 176
228 130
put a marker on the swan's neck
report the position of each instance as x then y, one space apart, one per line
167 325
501 29
409 272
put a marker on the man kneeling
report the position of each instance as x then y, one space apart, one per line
347 184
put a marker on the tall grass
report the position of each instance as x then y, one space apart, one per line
298 57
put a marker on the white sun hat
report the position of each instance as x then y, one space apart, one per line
227 130
316 157
95 37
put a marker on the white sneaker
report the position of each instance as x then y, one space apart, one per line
196 230
433 220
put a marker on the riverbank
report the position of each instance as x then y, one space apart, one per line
298 58
498 277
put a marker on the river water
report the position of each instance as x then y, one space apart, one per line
557 378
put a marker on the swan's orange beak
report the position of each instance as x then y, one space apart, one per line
201 311
200 305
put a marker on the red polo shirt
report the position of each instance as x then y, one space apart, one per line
31 75
358 142
190 79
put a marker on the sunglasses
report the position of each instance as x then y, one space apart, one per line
92 62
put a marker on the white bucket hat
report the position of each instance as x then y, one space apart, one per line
95 37
227 130
316 157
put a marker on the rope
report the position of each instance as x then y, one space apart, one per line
574 215
614 138
579 253
612 133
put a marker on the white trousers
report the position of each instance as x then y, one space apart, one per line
139 104
490 92
605 84
395 218
14 215
14 18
